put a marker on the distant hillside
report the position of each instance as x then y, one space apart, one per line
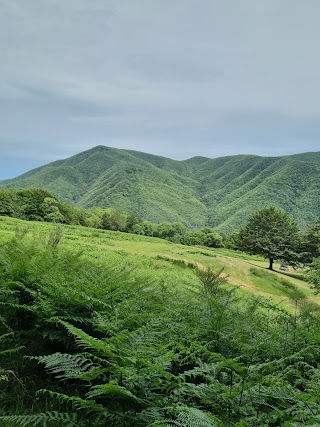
219 192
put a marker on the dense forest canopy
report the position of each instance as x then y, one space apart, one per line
220 193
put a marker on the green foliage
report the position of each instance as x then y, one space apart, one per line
54 418
8 204
101 343
33 204
52 211
221 193
232 241
193 417
39 205
271 233
313 275
49 209
310 243
114 220
26 204
206 237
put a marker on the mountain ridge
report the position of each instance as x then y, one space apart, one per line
220 192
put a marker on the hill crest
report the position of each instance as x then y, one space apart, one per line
220 192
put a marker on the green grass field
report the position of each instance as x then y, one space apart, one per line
166 262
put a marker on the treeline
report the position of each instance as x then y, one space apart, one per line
261 236
175 232
40 205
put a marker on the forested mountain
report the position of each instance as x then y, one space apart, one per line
220 192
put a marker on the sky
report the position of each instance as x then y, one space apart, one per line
175 78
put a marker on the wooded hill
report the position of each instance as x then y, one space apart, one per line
220 193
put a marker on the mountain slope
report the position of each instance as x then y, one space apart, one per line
219 192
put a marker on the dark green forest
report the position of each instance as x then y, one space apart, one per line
219 193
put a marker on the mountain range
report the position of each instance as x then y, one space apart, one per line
220 192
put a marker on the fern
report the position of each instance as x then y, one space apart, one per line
8 351
43 419
11 351
75 401
193 417
113 391
188 417
66 365
88 342
210 280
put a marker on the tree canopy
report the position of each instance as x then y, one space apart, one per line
270 232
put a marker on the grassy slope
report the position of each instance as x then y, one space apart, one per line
219 192
155 257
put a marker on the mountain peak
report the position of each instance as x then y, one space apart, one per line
198 192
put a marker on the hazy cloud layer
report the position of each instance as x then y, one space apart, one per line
176 78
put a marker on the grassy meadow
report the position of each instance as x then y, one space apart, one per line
166 262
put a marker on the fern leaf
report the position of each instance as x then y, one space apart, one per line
193 417
7 335
17 306
11 350
75 401
42 419
66 365
114 391
88 342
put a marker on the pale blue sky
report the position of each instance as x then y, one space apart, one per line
176 78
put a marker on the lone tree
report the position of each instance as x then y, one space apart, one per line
270 232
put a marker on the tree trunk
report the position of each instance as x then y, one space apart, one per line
270 263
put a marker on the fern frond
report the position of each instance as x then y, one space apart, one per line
87 341
16 305
42 419
161 424
113 391
66 365
77 319
98 360
193 417
8 292
7 351
11 350
7 335
75 401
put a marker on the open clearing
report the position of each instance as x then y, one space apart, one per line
166 262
